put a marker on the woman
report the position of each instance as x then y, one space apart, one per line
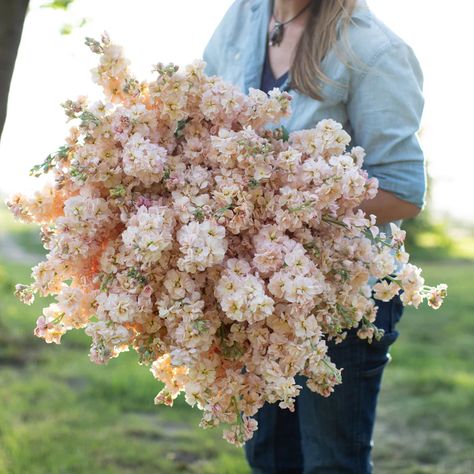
338 61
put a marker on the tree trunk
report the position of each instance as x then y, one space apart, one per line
12 16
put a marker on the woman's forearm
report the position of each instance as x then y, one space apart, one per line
387 207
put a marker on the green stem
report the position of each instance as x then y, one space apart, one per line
329 220
58 319
366 231
237 411
398 282
331 368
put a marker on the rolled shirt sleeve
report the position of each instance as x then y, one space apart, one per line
385 104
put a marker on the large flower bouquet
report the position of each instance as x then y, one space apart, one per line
224 252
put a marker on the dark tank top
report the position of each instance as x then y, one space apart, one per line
268 81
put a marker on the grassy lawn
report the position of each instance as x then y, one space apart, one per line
426 411
59 413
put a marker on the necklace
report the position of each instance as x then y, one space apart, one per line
276 34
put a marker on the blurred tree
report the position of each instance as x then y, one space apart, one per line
12 16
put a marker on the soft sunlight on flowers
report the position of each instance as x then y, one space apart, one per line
223 250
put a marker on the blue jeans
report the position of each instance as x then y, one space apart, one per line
329 435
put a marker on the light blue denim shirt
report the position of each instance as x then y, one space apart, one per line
378 100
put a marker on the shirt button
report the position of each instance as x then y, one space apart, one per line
237 56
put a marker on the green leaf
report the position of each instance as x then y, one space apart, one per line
106 279
78 173
180 127
94 45
166 175
221 210
253 183
87 118
66 29
136 275
200 325
58 4
117 191
199 214
50 161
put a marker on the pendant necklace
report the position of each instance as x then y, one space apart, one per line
276 34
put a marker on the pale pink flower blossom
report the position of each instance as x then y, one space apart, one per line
180 224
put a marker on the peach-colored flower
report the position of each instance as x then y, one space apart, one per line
183 223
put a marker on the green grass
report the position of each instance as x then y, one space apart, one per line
427 403
59 413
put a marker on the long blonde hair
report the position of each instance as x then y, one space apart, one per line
319 36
